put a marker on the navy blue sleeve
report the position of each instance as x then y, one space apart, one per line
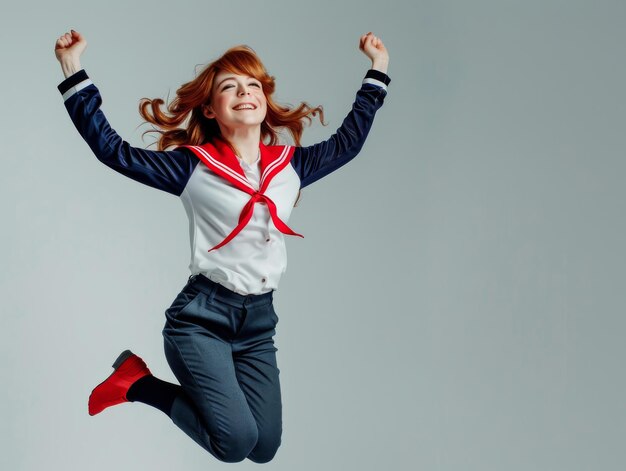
165 170
314 162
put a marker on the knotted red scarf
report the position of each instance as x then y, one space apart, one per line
220 158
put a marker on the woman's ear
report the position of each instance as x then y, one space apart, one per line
207 111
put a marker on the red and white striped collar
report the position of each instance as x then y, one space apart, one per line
219 157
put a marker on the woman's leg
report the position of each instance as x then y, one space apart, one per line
258 376
213 410
220 347
155 392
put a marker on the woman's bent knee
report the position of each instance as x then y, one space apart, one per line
265 449
237 447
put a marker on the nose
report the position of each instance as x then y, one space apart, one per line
243 90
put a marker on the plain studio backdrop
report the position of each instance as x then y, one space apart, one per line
458 300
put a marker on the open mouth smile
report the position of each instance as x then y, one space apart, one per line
244 106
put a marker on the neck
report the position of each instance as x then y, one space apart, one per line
245 141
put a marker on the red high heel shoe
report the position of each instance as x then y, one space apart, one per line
128 369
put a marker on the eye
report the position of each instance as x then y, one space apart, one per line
227 86
255 84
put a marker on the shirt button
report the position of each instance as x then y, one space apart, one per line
267 240
263 280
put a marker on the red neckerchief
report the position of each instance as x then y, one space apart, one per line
221 159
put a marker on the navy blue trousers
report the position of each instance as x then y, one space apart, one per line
219 345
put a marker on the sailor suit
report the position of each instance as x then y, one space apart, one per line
216 191
219 330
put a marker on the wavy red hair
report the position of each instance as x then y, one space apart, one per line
183 122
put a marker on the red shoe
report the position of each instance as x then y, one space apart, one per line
128 369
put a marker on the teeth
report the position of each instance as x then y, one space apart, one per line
244 107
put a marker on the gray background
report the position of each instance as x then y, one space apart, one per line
458 301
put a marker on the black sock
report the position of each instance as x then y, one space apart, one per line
154 392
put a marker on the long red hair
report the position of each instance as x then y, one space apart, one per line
183 122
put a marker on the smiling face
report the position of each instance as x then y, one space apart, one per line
236 101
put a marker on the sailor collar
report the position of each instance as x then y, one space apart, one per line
219 157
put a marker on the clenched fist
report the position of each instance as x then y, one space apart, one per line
373 47
68 49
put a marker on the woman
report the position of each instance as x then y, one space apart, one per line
238 188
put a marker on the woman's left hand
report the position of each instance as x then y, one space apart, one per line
373 47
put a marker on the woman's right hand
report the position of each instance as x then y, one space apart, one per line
68 49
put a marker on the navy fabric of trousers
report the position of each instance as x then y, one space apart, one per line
220 347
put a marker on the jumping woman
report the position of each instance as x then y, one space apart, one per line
218 151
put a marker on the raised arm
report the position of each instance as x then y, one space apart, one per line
165 170
316 161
